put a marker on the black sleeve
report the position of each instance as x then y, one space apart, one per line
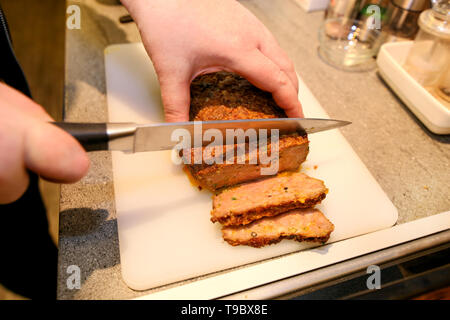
10 71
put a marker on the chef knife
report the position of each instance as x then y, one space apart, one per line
132 137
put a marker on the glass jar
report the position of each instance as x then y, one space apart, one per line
429 58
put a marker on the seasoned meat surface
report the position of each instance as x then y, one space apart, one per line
227 96
293 150
300 225
250 201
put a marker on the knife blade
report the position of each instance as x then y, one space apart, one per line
132 137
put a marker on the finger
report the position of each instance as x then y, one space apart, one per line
14 178
266 75
36 144
273 51
53 153
176 97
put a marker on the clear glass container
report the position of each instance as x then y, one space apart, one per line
429 58
348 44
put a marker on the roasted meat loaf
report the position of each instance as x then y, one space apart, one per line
293 150
250 201
227 96
301 225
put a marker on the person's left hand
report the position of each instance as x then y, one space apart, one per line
187 38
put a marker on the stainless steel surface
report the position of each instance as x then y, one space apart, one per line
287 287
154 137
121 136
412 5
402 22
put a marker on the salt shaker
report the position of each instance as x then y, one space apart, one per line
429 58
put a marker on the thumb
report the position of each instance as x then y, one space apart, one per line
176 98
54 154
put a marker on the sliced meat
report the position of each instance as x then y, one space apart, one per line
245 203
293 150
300 225
227 96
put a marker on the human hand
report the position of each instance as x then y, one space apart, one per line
29 142
187 38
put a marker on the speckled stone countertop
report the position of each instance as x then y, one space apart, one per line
410 163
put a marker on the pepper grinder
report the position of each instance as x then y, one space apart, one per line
403 15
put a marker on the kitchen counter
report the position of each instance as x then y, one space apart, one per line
410 163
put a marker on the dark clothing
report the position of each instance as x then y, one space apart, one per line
10 71
28 256
28 263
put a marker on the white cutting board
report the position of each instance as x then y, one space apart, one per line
165 234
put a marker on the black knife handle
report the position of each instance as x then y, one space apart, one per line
92 136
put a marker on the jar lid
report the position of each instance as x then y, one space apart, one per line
437 20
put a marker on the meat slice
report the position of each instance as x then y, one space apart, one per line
227 96
293 150
301 225
245 203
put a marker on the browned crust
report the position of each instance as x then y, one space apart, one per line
202 172
262 211
285 142
228 96
259 242
300 225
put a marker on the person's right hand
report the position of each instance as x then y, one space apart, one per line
29 142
